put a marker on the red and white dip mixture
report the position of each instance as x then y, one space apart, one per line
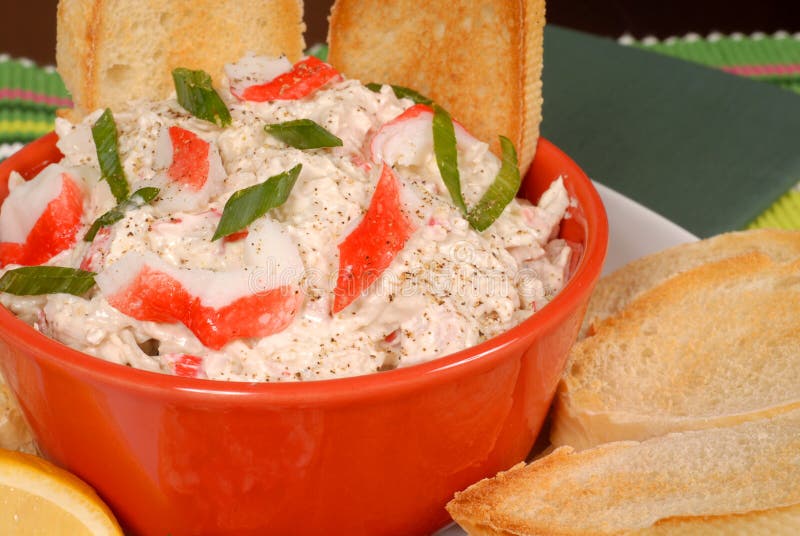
367 265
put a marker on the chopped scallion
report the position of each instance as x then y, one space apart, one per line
248 204
500 192
198 97
303 134
38 280
104 132
402 92
444 148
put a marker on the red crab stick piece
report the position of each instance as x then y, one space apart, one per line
189 158
93 258
306 76
186 365
192 170
372 246
40 218
252 70
218 307
408 138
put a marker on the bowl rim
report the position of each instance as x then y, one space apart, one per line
335 390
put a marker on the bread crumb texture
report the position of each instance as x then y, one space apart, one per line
110 52
742 477
713 341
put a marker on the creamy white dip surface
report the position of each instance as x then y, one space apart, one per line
449 288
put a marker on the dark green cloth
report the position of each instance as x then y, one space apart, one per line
709 150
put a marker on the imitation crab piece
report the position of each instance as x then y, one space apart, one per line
189 164
235 237
186 365
40 218
191 167
252 70
408 138
98 249
218 307
543 220
372 246
305 77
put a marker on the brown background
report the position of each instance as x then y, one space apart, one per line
28 26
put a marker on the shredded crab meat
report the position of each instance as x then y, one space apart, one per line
260 304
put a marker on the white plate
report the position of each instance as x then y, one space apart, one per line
633 231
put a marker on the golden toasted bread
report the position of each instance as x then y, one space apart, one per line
481 60
110 52
712 346
734 480
616 290
14 431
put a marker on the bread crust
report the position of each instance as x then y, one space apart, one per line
616 290
665 361
110 52
14 431
717 481
480 60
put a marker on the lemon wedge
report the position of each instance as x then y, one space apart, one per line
36 497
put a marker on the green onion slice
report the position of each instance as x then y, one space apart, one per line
199 98
104 132
500 192
37 280
444 148
303 134
140 197
248 204
402 92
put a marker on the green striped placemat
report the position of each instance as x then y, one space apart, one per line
29 97
769 58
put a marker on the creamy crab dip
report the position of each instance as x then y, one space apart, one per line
296 293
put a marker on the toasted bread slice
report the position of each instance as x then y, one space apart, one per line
735 480
712 346
14 431
480 60
616 290
110 52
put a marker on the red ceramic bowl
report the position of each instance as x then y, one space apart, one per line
375 454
